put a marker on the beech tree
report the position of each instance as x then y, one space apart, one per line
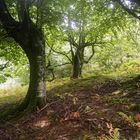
85 25
23 21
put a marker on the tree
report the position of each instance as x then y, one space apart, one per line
85 25
124 49
24 25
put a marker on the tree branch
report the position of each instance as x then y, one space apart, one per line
136 1
71 50
93 43
3 66
93 52
72 41
5 18
128 10
62 64
23 11
39 4
62 53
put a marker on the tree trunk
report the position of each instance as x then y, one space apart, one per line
34 46
80 70
31 40
77 63
76 66
36 96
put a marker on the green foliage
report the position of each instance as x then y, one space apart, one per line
127 119
10 51
11 96
17 63
136 108
121 54
87 22
129 67
95 21
2 78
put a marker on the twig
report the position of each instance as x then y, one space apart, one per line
47 105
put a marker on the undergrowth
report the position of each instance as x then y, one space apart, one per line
95 99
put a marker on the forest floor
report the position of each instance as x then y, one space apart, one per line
95 108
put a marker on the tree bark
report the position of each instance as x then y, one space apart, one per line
77 62
75 67
31 40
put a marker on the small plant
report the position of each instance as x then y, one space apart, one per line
127 118
132 121
136 108
113 132
115 135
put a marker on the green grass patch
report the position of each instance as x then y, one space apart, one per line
11 97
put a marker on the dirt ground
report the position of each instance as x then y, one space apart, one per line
84 109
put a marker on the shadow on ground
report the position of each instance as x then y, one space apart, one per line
84 109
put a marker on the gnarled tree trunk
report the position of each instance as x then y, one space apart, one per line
32 42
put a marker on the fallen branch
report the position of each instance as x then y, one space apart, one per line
47 105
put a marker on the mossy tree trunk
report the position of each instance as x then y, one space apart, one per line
31 40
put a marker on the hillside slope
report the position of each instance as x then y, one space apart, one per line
95 108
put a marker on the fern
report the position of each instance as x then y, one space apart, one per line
127 119
115 135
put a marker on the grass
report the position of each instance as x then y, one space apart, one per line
11 95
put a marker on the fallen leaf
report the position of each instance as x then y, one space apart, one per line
137 116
